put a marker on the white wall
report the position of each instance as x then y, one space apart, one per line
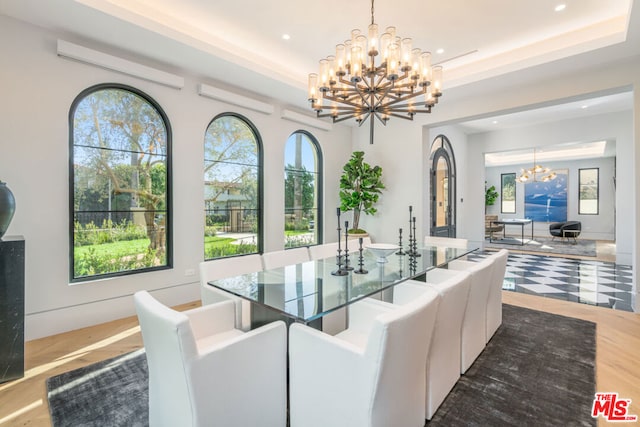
37 89
396 149
599 227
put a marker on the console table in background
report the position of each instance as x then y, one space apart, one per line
11 308
511 221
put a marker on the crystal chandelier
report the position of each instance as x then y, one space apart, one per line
351 85
533 174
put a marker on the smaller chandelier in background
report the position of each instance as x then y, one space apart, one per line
350 84
537 173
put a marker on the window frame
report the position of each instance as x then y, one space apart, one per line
168 192
515 188
260 177
597 185
319 189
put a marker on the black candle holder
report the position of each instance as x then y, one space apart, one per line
360 269
340 271
415 243
412 231
410 235
401 251
346 247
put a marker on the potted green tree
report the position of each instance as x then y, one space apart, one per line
490 196
360 188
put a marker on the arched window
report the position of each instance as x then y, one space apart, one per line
120 183
232 187
302 190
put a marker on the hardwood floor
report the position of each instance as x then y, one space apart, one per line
24 403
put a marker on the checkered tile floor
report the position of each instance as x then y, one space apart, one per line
589 282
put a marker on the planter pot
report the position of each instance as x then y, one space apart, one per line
7 207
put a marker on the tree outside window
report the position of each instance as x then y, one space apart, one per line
301 191
120 182
508 188
231 188
588 182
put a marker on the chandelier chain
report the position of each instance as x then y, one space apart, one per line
372 12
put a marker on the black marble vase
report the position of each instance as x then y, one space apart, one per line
7 207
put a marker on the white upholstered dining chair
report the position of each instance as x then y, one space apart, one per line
474 335
284 257
228 267
371 374
494 301
450 242
204 372
446 242
443 358
326 250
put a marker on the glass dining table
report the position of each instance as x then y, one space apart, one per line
307 292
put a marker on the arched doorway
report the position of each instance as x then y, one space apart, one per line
442 188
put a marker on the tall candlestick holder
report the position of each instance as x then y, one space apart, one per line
410 250
346 247
410 234
401 251
360 269
415 243
340 271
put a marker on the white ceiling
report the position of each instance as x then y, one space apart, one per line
567 152
570 110
240 42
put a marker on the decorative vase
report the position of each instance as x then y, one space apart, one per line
7 207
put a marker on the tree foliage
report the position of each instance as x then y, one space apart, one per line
120 148
360 187
301 181
490 195
231 159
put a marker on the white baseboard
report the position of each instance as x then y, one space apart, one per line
66 319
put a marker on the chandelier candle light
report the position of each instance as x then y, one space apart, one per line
353 85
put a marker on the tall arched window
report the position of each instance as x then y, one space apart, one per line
232 187
302 190
120 183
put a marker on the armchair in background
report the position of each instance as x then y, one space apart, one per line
566 230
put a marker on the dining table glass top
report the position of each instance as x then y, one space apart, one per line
307 291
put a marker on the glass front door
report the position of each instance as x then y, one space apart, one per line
442 189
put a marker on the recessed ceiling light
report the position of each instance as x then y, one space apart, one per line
440 51
495 122
584 106
286 37
560 7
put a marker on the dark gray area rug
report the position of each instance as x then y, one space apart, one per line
113 392
538 369
542 245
